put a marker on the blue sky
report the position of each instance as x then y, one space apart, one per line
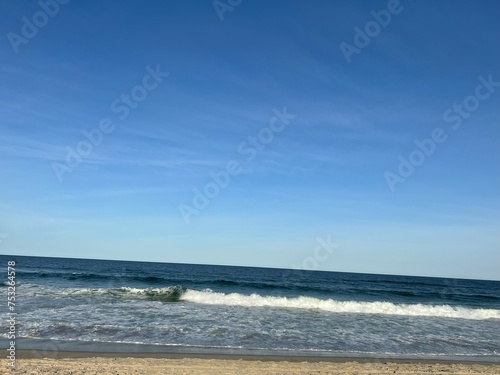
323 175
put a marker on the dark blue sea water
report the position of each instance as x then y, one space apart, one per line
272 310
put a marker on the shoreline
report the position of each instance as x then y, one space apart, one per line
30 348
29 362
27 354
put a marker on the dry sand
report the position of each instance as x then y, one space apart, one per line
121 365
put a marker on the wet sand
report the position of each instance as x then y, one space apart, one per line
28 362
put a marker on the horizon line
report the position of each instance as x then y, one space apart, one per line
243 266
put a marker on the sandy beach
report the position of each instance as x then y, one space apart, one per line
128 364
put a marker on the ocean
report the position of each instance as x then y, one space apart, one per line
78 303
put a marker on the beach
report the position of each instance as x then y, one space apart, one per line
79 316
135 363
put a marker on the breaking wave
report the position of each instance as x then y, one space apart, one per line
179 293
208 297
168 294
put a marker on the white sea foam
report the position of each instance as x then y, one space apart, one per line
209 297
386 308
